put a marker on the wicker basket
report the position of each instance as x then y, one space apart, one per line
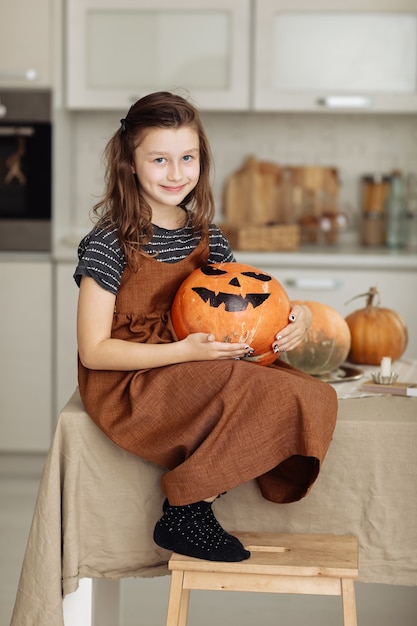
272 238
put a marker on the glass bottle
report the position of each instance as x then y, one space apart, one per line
396 213
374 193
411 195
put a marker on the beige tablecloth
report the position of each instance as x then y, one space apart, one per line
97 505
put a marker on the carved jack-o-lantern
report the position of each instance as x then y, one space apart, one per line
236 303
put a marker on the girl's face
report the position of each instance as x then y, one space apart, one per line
167 164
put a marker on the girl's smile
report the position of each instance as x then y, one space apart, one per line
173 189
167 164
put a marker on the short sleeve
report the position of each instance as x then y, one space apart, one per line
220 250
101 258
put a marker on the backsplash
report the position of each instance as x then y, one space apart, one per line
355 144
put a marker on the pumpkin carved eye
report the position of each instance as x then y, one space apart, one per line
262 277
236 303
212 270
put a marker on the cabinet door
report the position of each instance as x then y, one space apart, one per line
120 50
66 298
26 353
25 48
327 56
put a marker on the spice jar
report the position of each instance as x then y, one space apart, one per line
375 188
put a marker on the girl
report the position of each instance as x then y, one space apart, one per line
194 406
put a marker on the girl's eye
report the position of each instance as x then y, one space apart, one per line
160 160
187 158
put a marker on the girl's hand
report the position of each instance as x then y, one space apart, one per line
204 347
288 338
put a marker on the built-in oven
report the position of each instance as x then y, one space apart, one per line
25 170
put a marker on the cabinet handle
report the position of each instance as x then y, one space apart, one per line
328 284
29 74
16 131
347 102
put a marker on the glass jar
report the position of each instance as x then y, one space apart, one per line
396 212
374 192
373 228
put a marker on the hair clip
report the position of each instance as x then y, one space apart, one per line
123 125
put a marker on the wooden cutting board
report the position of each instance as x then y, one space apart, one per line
262 193
250 194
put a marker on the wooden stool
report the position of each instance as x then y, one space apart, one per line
279 563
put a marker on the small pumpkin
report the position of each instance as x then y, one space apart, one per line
236 303
326 344
376 332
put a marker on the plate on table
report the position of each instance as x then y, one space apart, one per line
343 374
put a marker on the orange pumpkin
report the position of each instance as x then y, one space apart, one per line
326 344
376 332
236 303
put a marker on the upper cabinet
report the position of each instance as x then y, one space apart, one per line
25 43
119 50
327 55
262 55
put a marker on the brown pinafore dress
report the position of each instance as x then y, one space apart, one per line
212 424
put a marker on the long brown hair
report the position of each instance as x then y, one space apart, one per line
122 204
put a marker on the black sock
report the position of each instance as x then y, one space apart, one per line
194 531
208 518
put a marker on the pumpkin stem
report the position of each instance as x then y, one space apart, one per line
373 291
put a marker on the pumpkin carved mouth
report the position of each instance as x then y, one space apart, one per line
232 302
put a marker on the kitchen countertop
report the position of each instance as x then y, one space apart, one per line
335 257
21 256
350 256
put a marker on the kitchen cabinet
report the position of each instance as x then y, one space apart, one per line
328 56
26 351
334 278
120 50
25 43
264 55
65 344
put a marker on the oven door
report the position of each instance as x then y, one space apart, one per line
25 186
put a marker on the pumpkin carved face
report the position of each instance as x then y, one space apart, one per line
236 303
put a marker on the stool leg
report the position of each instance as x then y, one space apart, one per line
182 620
178 601
349 604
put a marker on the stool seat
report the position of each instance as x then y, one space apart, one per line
279 563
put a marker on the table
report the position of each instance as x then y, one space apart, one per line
97 504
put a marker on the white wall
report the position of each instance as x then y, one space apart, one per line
355 144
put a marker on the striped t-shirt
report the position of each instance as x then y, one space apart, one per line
101 258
